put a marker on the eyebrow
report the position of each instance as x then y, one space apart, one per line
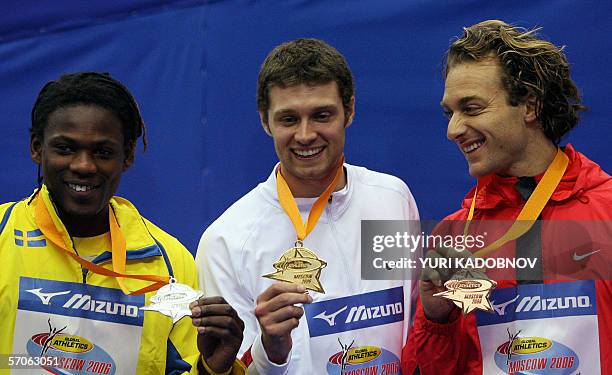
329 107
63 138
283 112
463 101
325 108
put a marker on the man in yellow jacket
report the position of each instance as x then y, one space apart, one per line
79 264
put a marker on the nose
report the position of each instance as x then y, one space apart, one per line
83 163
305 133
456 128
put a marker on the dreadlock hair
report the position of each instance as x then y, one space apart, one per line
529 65
306 60
88 88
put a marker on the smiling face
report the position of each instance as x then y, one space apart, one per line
493 135
82 157
307 123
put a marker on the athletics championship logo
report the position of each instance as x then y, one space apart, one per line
365 359
75 354
535 356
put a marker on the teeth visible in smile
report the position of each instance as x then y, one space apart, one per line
80 187
472 147
306 153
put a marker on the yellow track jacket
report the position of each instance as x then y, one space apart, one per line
27 258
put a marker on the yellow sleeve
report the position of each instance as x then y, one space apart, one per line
182 353
238 368
4 212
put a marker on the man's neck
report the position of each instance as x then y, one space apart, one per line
313 188
538 156
86 226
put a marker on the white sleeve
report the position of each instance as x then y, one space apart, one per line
219 276
262 365
412 211
218 268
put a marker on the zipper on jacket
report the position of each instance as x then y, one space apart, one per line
335 236
84 271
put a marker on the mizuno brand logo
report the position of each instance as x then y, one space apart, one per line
500 308
355 312
364 312
578 257
331 318
45 298
537 303
65 298
86 302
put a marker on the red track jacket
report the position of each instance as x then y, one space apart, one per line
584 193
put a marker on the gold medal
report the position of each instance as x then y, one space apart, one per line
469 294
299 265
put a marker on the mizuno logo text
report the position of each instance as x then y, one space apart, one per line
85 302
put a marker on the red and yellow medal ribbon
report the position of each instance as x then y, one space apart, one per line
532 208
288 203
49 227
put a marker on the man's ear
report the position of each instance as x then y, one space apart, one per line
532 108
350 112
129 155
35 148
263 117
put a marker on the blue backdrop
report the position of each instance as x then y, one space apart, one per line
192 65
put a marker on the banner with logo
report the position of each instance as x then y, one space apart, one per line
360 334
539 329
89 329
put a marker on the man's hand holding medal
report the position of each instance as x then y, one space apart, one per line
220 329
278 314
220 332
467 288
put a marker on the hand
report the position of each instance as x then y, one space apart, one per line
278 316
432 281
219 331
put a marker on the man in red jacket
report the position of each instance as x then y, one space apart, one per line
509 100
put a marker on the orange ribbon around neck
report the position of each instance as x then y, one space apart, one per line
532 208
49 227
288 203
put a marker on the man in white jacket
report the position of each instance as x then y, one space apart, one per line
305 98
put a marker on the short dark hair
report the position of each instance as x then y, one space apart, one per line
529 65
309 61
90 88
